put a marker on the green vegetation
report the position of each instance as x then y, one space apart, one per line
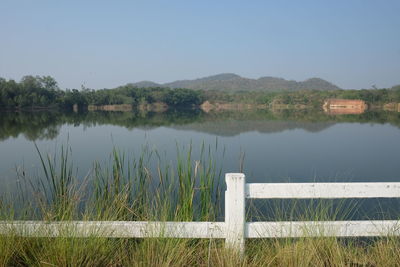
43 92
234 83
125 189
310 98
129 94
186 189
30 92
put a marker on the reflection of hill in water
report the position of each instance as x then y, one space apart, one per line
47 125
235 127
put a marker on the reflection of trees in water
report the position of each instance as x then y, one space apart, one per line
235 127
50 132
33 125
46 124
230 123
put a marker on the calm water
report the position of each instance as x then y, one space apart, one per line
277 147
286 146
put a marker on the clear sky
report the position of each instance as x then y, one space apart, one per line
354 44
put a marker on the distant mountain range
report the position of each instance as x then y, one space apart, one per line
234 82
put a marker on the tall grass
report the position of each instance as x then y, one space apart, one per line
98 251
146 186
151 187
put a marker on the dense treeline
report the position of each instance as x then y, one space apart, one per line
316 98
43 92
130 94
311 98
29 92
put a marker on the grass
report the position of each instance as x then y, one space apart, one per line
97 251
185 190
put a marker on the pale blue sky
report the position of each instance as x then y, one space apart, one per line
354 44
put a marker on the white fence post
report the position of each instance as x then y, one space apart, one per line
235 211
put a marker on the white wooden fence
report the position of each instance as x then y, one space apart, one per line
235 228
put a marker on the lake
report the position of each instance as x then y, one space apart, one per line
269 146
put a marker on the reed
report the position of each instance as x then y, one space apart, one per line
149 186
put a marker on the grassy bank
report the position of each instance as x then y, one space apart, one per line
186 189
96 251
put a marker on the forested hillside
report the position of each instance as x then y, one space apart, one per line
231 82
35 92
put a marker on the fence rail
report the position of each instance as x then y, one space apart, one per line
114 229
235 229
323 190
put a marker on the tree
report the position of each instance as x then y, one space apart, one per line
48 83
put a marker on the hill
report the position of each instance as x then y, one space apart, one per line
234 82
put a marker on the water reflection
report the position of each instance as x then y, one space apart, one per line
345 111
46 125
344 106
